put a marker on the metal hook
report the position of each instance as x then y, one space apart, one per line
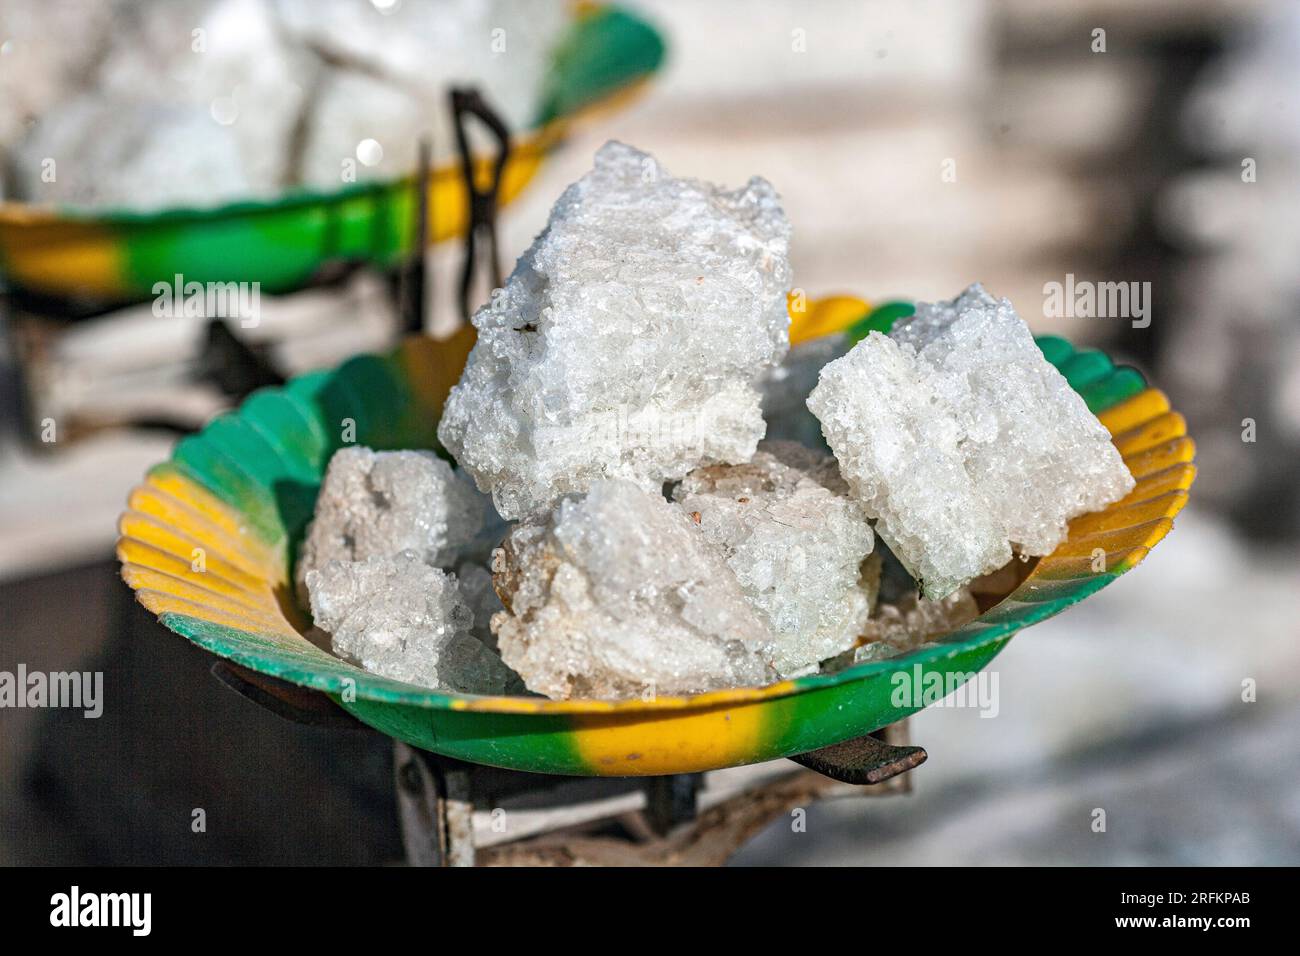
483 203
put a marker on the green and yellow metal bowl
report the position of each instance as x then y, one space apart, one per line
120 255
209 537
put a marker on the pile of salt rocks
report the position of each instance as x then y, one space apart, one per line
612 408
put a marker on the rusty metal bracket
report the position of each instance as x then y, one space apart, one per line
863 760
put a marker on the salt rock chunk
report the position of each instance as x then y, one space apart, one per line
159 126
1037 453
899 450
963 441
797 547
379 503
627 341
396 616
617 594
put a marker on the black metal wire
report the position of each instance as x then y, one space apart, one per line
483 203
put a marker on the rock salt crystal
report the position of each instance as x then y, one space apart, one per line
399 617
797 547
379 503
628 340
963 441
617 595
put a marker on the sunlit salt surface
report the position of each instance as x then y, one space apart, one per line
796 543
374 504
963 441
617 594
627 342
399 617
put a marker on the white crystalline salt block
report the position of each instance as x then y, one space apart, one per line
1036 452
963 441
898 449
797 547
616 595
627 341
396 616
379 503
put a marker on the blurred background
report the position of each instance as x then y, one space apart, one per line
918 145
